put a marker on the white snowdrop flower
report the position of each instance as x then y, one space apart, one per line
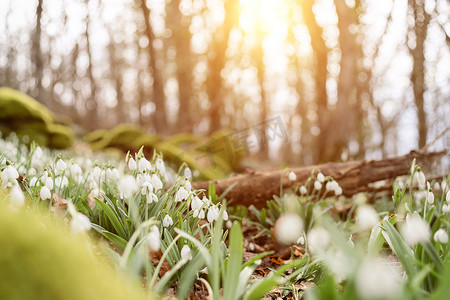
188 173
16 196
32 172
33 181
445 208
400 184
441 236
132 164
447 197
36 158
60 166
113 174
436 186
127 186
61 181
338 191
229 224
160 166
207 201
303 190
49 183
75 169
21 170
292 176
320 177
213 214
181 194
45 193
199 213
147 188
196 203
288 228
144 165
318 239
152 198
415 230
225 215
167 221
80 223
430 197
301 240
156 182
366 217
9 176
141 179
443 185
186 253
377 279
96 173
420 178
153 240
187 185
251 247
317 185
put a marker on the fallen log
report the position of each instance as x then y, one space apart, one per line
257 187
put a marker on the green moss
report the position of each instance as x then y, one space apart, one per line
27 117
94 136
41 259
121 137
185 140
146 140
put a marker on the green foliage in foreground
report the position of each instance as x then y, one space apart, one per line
41 259
25 116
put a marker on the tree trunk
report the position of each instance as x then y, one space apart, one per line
158 96
37 55
217 60
256 188
321 72
422 19
91 103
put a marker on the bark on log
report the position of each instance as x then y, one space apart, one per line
355 176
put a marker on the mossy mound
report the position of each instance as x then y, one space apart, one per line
41 259
121 137
25 116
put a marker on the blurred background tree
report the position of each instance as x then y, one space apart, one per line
349 79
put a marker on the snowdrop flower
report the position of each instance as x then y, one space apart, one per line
430 197
37 156
229 224
445 208
147 188
366 217
61 181
16 196
420 178
127 186
9 176
225 215
415 230
199 214
186 252
32 172
188 173
144 165
251 247
75 169
60 166
152 198
331 186
156 182
181 194
301 240
167 221
112 174
338 191
33 181
79 223
96 174
45 193
132 164
441 236
318 239
320 177
289 228
436 186
141 179
447 197
317 185
21 170
160 166
49 183
213 214
196 203
153 239
303 190
443 185
292 176
377 279
187 185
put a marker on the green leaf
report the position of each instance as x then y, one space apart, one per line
117 240
234 262
113 218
